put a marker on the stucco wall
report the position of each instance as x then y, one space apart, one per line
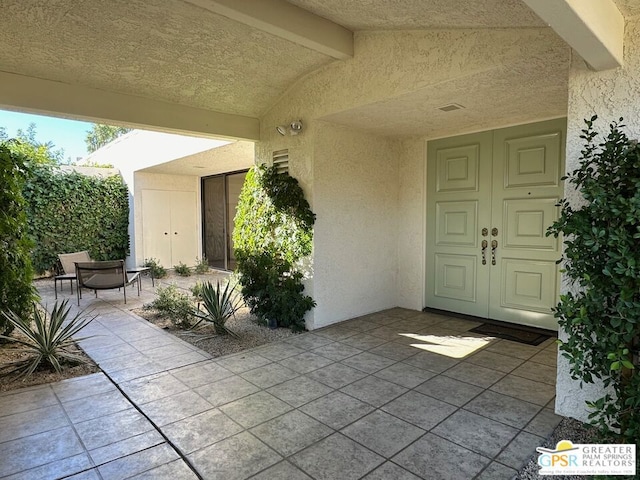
386 65
158 181
356 202
611 94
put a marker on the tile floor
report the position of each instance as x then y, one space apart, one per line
397 394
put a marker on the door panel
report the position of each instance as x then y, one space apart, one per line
525 285
457 168
498 189
234 187
457 223
456 277
527 161
526 223
184 228
531 160
156 226
213 203
458 185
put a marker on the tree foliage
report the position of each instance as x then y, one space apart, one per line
69 212
272 236
101 134
602 315
26 144
16 273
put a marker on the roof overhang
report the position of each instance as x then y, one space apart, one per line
594 29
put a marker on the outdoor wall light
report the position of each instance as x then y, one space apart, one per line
294 128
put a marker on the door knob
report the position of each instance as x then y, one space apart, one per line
494 232
175 233
494 247
166 233
484 251
485 232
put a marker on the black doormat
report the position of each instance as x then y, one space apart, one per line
509 333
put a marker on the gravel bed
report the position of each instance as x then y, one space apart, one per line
250 333
568 429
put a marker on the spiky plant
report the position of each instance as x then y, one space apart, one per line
219 306
48 338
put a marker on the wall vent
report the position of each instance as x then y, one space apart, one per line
451 107
281 161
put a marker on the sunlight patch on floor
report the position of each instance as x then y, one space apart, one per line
454 346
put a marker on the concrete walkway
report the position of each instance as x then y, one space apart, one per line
398 394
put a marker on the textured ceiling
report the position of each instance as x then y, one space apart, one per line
173 51
421 14
491 99
163 49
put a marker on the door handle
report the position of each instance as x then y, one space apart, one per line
166 233
484 251
494 247
175 233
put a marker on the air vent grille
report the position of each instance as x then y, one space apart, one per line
451 107
281 161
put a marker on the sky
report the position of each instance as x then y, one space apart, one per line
64 134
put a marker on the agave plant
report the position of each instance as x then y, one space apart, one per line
48 338
219 306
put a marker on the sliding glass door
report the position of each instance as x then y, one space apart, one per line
220 195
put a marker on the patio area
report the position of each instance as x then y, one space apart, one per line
396 394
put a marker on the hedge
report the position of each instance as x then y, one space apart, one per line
16 273
69 212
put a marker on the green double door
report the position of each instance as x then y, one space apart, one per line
490 198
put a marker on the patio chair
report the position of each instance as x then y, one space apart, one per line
67 260
104 275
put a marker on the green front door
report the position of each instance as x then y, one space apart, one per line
490 198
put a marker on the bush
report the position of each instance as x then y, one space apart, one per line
16 273
202 266
69 212
156 270
273 233
47 339
196 291
174 305
602 315
182 269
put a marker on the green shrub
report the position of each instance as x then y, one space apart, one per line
174 305
69 212
202 266
16 273
219 306
156 270
273 233
601 316
182 269
47 339
196 291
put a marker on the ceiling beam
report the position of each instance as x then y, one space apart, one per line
593 28
35 95
282 19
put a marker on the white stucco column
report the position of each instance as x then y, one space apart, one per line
610 95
